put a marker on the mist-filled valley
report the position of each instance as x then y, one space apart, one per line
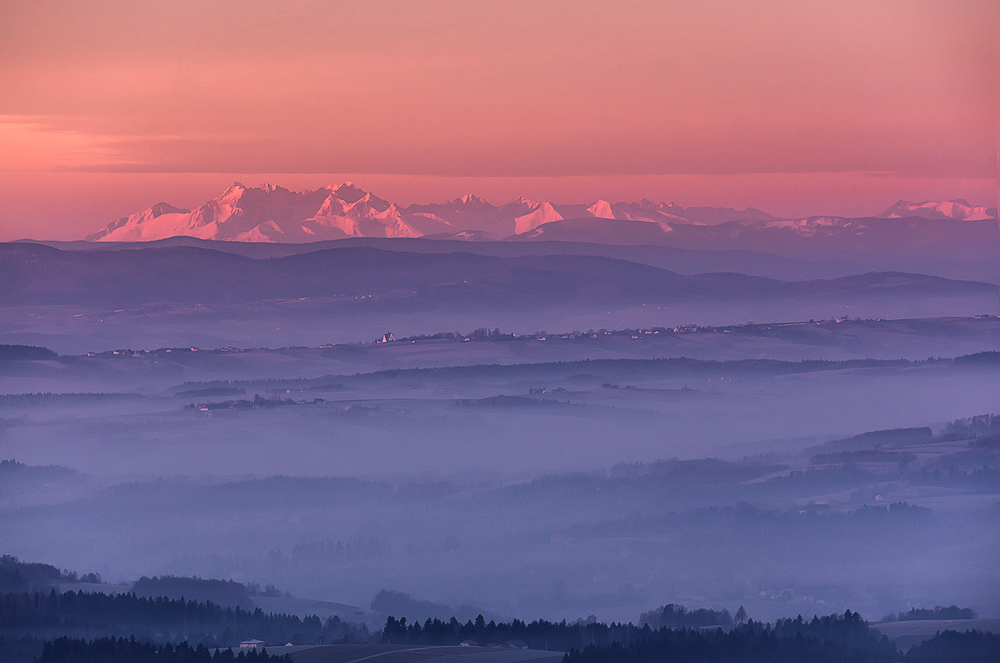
527 475
373 434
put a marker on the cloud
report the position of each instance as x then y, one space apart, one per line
33 143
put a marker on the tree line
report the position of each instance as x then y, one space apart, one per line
162 619
677 616
849 629
115 650
833 639
28 619
937 612
539 634
18 576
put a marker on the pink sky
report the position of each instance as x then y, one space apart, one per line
795 107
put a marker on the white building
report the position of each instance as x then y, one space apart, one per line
247 645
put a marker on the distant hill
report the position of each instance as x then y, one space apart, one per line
25 353
37 274
17 576
682 261
925 245
221 592
387 602
30 485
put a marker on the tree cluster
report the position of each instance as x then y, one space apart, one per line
677 616
833 639
983 425
222 592
18 576
937 612
163 620
848 630
539 634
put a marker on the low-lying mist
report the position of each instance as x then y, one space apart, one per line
552 476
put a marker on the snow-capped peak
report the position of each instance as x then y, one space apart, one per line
232 194
601 210
349 193
267 213
160 209
543 213
646 203
957 209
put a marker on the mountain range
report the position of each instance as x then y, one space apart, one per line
950 209
270 213
952 239
267 213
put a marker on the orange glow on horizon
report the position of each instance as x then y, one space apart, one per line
788 106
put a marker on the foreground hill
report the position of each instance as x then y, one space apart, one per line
36 274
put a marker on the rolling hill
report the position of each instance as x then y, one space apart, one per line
37 274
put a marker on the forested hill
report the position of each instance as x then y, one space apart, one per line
62 620
35 274
50 615
113 650
767 646
848 629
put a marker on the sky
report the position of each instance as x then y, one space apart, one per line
795 107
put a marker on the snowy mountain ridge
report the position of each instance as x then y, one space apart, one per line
267 213
271 213
957 209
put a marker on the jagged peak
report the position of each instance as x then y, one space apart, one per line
469 199
349 193
233 193
346 186
601 209
166 208
646 203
